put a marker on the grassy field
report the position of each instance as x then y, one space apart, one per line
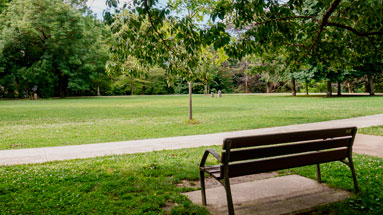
53 122
147 184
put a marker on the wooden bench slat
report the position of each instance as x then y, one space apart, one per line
286 149
270 139
267 165
211 169
214 171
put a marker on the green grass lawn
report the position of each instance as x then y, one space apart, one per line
53 122
147 184
374 130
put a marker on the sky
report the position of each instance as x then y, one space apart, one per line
98 6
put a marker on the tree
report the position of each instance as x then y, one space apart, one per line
54 43
208 65
154 37
272 68
321 31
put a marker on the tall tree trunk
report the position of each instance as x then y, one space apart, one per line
98 90
63 84
131 86
143 89
190 101
205 90
208 89
370 85
307 88
61 92
339 89
329 88
293 87
246 83
246 77
268 87
349 87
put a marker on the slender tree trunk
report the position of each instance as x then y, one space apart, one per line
370 85
329 88
190 101
131 86
208 89
307 88
349 87
339 89
205 90
268 87
98 90
246 83
143 89
293 87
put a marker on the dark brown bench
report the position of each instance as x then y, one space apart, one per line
264 153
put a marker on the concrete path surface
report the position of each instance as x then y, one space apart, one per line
39 155
369 145
281 195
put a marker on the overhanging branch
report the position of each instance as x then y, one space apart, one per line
353 30
324 22
283 19
154 27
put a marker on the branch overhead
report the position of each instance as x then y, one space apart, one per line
334 4
353 30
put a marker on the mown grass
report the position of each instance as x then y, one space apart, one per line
147 184
53 122
374 130
129 184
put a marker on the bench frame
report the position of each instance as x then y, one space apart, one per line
228 144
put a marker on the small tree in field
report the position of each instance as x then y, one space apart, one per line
155 38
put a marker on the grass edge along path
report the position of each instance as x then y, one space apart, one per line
373 130
146 183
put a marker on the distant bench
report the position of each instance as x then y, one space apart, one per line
264 153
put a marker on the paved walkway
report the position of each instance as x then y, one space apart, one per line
290 194
39 155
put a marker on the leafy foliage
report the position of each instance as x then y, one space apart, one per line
50 45
333 35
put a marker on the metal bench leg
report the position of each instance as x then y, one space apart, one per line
318 174
230 205
351 165
203 190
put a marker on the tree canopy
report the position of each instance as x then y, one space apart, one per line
59 47
50 45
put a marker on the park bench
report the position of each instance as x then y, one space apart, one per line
264 153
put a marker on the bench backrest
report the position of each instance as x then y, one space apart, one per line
270 152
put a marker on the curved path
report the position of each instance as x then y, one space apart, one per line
364 144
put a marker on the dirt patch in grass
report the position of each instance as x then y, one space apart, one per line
212 182
169 206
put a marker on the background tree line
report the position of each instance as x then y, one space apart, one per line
59 48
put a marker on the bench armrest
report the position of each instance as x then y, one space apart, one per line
207 152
